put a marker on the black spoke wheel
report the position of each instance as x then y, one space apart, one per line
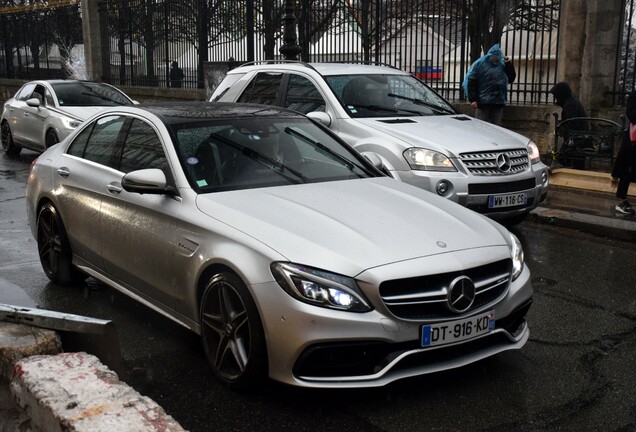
53 247
8 146
232 333
51 138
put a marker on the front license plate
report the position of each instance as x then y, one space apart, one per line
510 200
455 331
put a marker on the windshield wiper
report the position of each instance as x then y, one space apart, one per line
263 159
325 150
434 107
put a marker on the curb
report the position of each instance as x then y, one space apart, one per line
43 390
620 228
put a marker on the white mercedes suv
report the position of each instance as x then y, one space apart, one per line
406 128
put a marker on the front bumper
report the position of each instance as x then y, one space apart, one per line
309 346
473 192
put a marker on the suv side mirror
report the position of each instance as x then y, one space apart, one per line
321 117
375 160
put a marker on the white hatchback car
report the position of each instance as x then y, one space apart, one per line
402 124
285 249
44 112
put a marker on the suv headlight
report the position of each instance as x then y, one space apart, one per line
516 251
428 160
69 123
320 288
533 152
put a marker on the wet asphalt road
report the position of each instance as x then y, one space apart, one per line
577 372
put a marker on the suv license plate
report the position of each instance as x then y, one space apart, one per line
510 200
455 331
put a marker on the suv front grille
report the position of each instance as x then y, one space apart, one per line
425 297
497 163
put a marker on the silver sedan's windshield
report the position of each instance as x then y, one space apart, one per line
244 153
387 96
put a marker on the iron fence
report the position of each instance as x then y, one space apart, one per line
432 39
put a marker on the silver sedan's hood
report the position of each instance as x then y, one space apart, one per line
457 132
353 225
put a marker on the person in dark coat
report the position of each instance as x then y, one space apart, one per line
486 84
625 165
176 75
571 108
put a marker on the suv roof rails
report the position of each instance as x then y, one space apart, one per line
365 62
257 62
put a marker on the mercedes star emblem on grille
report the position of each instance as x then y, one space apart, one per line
461 294
503 162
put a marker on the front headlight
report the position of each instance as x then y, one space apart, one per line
320 288
428 160
516 251
533 152
69 123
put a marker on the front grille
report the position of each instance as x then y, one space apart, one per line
486 163
499 188
425 297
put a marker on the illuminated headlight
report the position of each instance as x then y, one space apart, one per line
428 160
533 152
320 288
70 123
517 256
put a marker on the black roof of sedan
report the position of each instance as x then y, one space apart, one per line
180 112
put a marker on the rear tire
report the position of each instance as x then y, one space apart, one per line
8 145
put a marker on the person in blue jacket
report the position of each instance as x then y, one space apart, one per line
486 84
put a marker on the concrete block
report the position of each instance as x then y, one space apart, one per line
76 392
19 341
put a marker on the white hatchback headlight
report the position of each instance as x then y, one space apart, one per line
320 288
69 123
428 160
516 251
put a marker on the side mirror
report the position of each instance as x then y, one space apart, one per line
321 117
146 181
34 102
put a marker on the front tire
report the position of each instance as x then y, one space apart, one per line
8 145
50 138
232 333
54 248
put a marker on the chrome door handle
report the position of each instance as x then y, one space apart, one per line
63 172
114 188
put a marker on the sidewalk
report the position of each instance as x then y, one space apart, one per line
585 200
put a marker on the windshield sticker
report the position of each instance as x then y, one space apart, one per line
352 109
202 183
192 160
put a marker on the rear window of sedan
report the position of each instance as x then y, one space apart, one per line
89 94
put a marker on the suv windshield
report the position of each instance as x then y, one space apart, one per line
387 96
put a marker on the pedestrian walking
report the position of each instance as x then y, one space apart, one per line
486 84
625 165
571 108
176 75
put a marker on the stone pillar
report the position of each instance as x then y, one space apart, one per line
588 46
601 52
91 27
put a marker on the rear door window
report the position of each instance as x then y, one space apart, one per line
264 89
303 96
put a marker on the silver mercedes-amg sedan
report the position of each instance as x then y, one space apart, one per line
291 255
